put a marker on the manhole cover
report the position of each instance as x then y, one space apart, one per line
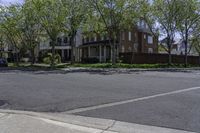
2 102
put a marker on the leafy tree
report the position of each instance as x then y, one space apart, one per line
52 19
165 12
30 28
187 18
146 10
76 14
111 16
1 44
9 18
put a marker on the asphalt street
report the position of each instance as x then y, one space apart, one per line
63 92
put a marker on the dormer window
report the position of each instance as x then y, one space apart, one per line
59 41
150 39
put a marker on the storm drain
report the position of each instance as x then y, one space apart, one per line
2 102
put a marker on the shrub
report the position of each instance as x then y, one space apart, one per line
57 59
47 59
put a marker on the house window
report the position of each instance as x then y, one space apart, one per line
138 24
129 49
66 40
107 38
84 39
142 24
145 36
136 47
50 43
59 41
102 37
150 40
123 49
150 50
90 38
95 38
129 36
135 36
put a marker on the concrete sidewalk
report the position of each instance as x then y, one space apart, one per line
30 122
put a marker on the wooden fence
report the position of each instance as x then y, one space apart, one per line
144 58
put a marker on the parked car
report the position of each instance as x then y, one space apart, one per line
3 62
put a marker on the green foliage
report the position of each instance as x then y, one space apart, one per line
47 59
128 66
52 20
196 43
165 13
9 25
76 15
188 17
111 17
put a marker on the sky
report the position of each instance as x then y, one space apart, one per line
7 2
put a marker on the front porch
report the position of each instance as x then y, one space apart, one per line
99 52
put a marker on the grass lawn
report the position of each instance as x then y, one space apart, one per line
122 65
98 65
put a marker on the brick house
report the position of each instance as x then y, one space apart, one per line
139 40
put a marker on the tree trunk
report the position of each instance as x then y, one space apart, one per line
169 51
53 53
113 53
17 59
133 54
186 48
132 57
32 56
72 50
169 58
186 54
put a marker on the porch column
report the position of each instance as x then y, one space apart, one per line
105 54
100 54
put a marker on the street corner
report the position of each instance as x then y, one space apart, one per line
22 123
1 115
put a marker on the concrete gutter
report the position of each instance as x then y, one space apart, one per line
75 124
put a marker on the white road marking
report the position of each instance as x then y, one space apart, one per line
129 101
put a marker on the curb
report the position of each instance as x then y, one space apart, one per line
105 125
99 70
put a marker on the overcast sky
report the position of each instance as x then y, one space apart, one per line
7 2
